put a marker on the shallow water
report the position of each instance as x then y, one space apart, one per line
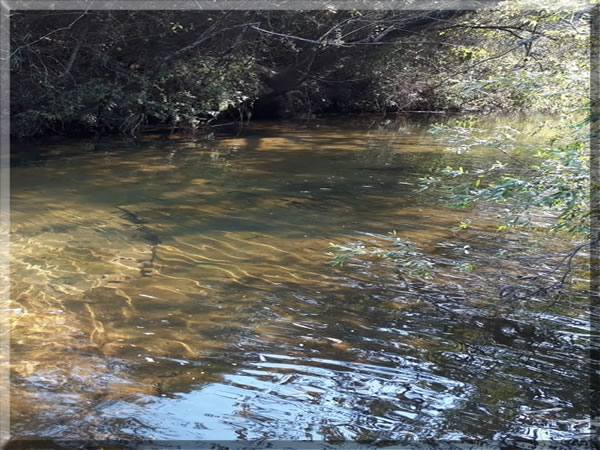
180 288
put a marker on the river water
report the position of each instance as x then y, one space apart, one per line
181 288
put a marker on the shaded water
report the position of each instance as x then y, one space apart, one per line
181 289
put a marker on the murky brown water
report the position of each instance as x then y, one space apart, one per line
180 289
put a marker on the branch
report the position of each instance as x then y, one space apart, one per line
512 291
569 259
499 55
208 34
509 29
375 41
297 38
49 34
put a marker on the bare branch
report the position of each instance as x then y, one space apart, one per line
298 38
208 34
49 34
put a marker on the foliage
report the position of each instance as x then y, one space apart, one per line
517 59
406 258
112 72
107 71
557 179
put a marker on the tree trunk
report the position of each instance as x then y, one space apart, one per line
271 103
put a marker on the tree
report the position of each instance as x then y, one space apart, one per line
117 71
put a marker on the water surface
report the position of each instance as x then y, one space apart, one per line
180 288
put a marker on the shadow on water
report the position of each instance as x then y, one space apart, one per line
181 290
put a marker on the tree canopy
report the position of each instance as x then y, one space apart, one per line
117 71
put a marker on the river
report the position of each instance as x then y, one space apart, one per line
180 288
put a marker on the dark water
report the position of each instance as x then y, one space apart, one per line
181 289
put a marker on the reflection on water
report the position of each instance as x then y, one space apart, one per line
180 289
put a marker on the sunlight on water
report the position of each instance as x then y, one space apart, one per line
180 289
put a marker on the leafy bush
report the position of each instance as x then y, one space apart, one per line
558 181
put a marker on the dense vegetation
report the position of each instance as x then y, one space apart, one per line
120 71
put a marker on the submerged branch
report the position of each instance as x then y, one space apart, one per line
548 285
